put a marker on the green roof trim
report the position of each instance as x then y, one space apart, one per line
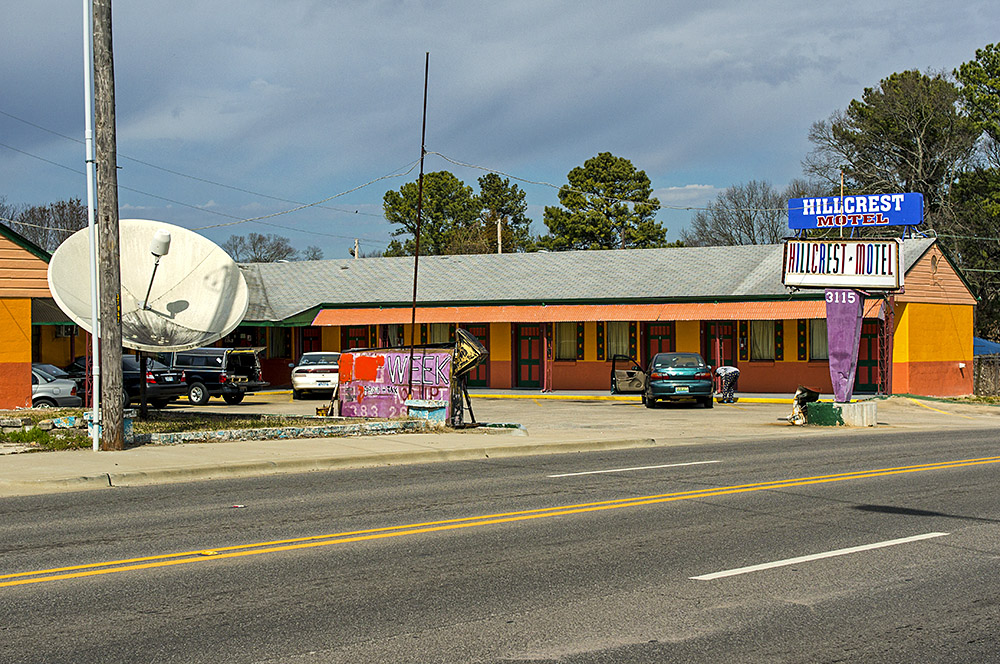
24 243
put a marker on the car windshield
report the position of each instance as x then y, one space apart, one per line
50 369
678 361
44 375
131 363
320 358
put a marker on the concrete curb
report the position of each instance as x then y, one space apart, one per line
302 465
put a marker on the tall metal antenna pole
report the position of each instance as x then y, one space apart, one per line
420 202
95 304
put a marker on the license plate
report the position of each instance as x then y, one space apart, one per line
681 388
323 383
168 379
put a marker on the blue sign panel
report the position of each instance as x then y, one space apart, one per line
856 211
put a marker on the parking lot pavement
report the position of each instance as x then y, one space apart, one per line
592 415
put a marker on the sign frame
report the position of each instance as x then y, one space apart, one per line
834 263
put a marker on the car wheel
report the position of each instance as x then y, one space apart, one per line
296 395
708 402
43 402
233 398
197 394
650 402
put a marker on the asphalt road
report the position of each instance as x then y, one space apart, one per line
602 557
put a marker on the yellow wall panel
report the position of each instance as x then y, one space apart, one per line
500 342
688 336
901 334
330 337
939 332
590 341
15 330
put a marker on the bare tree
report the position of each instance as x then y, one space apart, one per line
311 253
751 213
258 248
46 225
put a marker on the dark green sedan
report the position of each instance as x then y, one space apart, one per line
678 376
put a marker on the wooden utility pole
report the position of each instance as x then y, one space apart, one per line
112 388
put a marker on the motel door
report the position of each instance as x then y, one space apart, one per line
719 336
480 376
529 355
659 339
312 339
866 378
354 336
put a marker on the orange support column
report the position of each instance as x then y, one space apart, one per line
15 352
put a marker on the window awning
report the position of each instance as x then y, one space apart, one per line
568 313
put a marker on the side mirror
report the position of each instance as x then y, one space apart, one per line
291 365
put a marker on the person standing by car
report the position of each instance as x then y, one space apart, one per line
728 376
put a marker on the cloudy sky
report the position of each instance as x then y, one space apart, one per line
235 109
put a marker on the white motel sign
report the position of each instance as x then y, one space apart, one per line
865 264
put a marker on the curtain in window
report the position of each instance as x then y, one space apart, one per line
818 349
762 340
438 333
565 341
616 338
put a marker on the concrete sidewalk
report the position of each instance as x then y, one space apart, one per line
550 424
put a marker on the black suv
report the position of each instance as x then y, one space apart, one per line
163 384
212 372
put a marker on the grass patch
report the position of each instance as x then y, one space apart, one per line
157 422
56 439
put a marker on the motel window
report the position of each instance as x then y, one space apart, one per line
762 340
279 342
616 338
394 335
818 349
565 341
437 333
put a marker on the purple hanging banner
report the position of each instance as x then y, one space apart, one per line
844 315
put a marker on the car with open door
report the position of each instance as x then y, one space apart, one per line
627 377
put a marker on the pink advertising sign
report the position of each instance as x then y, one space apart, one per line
376 383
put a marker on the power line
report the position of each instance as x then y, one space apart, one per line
238 220
179 173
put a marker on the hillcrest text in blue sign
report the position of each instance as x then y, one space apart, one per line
863 211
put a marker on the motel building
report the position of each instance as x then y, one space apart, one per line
557 319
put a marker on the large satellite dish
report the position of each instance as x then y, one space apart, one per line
179 289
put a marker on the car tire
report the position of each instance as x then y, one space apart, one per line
650 402
233 398
43 402
708 402
296 395
197 394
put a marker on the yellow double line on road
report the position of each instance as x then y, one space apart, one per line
205 555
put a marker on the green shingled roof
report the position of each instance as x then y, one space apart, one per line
279 291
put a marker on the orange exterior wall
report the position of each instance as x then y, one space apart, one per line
931 344
15 353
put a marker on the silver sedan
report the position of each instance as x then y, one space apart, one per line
48 391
